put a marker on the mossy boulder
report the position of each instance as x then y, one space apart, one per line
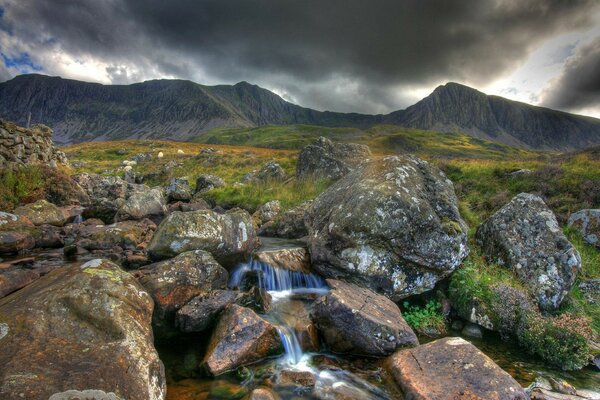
391 225
42 212
80 330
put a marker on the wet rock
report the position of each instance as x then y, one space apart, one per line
42 212
356 320
83 329
472 330
296 314
257 299
142 202
204 183
107 194
557 389
525 237
451 368
587 222
392 225
129 235
241 337
267 212
13 279
178 189
47 237
293 259
201 312
263 394
223 235
289 224
173 283
330 160
15 233
270 172
305 379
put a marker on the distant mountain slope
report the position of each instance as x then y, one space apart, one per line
182 110
458 108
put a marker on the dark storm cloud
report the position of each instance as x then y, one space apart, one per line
578 86
361 52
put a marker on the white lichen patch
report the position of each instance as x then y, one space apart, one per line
95 263
456 341
3 330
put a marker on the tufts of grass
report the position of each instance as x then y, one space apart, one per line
25 184
426 319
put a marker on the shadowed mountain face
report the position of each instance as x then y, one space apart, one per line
180 110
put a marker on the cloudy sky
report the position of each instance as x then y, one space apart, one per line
344 55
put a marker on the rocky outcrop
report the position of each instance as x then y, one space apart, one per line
80 332
174 282
223 235
178 189
20 146
107 195
42 212
587 222
525 237
356 320
330 160
241 337
289 224
392 226
204 183
450 369
142 202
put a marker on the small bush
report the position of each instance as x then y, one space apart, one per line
427 320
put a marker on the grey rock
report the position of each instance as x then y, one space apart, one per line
271 171
587 222
289 224
178 189
204 183
142 202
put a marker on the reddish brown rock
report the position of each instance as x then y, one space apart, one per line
241 337
80 332
201 312
357 320
451 369
294 259
296 378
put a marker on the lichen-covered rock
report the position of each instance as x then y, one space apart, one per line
178 189
330 160
128 235
525 237
201 312
204 183
241 337
107 194
83 330
289 224
174 282
142 202
356 320
269 172
267 212
223 235
587 222
392 225
450 369
42 212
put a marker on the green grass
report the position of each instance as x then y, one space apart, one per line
425 320
23 185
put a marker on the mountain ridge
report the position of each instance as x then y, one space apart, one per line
180 109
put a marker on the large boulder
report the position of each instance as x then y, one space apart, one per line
142 202
330 160
450 369
289 224
80 332
392 225
241 337
525 237
128 235
42 212
107 194
178 189
174 282
269 172
223 235
587 222
356 320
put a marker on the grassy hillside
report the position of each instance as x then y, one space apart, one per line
383 139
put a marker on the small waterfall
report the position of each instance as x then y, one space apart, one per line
291 345
277 279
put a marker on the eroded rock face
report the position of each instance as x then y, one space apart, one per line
449 369
587 222
525 237
85 329
174 282
392 225
356 320
142 202
42 212
107 194
241 337
223 235
330 160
